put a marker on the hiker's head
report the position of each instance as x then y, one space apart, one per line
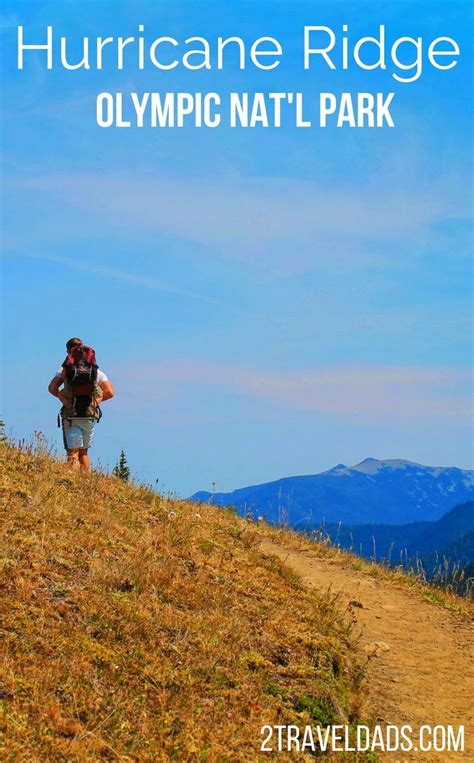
74 342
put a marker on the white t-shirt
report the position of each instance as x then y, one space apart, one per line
101 377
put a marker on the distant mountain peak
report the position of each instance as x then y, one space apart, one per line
373 465
392 490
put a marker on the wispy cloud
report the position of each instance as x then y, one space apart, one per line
259 218
120 275
376 392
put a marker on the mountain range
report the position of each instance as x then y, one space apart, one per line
392 491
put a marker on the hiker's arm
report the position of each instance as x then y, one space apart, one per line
53 388
108 391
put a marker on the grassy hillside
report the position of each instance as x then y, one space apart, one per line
415 539
439 552
140 628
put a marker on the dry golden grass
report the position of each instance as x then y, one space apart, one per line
396 576
139 628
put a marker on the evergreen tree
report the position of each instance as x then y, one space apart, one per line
3 437
121 469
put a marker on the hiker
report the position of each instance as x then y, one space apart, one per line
84 387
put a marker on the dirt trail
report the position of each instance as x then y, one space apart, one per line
423 671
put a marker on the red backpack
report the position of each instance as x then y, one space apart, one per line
80 368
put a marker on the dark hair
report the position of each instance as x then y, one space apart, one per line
74 342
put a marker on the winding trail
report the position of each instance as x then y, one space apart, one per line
422 666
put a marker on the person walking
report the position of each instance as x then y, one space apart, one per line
81 387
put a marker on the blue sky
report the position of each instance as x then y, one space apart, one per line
268 301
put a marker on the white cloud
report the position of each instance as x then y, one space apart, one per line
376 392
149 282
251 219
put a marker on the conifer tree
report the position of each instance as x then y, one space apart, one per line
121 469
3 437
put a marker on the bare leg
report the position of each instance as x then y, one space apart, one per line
73 459
84 460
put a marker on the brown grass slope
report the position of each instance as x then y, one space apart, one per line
135 627
419 646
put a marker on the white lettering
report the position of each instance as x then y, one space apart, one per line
205 54
308 51
105 102
153 48
255 53
84 63
379 43
416 64
432 53
327 106
48 47
140 106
